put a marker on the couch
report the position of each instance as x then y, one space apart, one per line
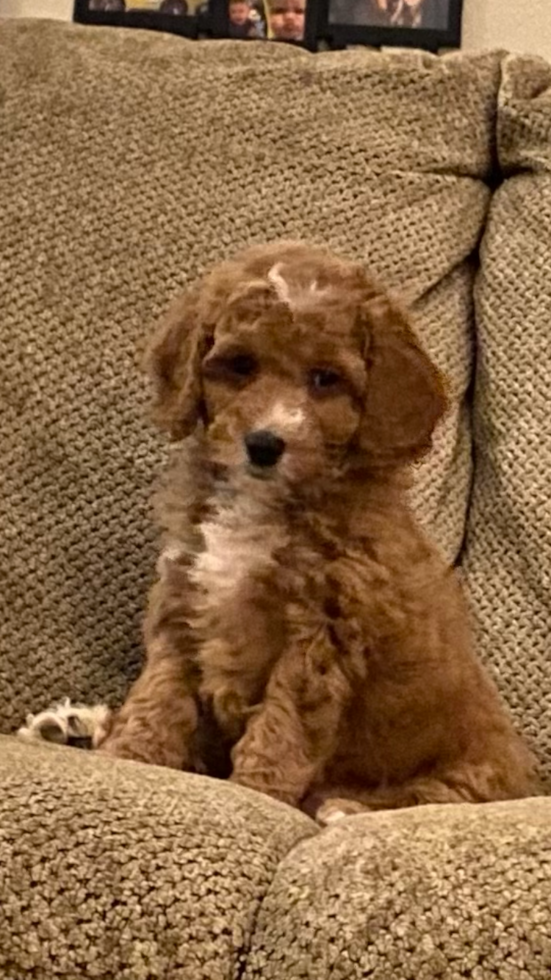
129 161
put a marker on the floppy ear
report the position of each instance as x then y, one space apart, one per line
173 361
405 394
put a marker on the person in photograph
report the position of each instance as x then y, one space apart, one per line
178 8
243 20
107 6
286 19
426 14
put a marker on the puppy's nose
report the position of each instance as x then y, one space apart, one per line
264 448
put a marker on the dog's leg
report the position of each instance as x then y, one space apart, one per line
464 783
158 720
290 737
338 804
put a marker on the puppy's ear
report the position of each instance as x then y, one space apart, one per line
405 395
173 361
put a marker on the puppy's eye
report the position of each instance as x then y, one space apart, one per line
324 380
241 365
236 367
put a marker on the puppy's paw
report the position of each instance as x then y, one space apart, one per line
333 811
230 710
68 724
122 748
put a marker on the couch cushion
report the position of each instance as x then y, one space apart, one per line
441 891
132 160
114 869
508 557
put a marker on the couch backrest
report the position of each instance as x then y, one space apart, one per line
129 162
508 554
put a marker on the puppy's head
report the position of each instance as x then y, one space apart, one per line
297 365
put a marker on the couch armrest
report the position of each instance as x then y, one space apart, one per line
118 870
436 892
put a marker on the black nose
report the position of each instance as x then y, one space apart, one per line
263 447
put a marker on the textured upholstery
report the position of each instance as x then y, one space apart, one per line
134 872
443 892
119 870
508 558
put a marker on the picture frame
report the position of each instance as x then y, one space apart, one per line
428 24
189 18
292 21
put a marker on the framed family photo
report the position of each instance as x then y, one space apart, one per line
187 17
293 21
429 24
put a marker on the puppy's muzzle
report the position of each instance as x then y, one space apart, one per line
264 448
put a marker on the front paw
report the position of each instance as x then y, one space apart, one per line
125 748
77 725
152 747
335 810
263 781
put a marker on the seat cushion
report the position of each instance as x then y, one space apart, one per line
440 891
508 556
116 869
131 161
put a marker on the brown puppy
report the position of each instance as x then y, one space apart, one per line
297 600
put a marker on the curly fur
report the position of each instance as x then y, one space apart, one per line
299 609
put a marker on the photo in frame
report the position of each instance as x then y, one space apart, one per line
429 24
292 21
186 17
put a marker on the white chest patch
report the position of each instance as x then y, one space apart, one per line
238 542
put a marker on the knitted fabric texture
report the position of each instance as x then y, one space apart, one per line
508 558
451 892
128 871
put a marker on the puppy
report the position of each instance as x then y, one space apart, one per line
298 606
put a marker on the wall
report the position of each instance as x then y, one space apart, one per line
517 25
58 9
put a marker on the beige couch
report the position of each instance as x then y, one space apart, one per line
128 162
